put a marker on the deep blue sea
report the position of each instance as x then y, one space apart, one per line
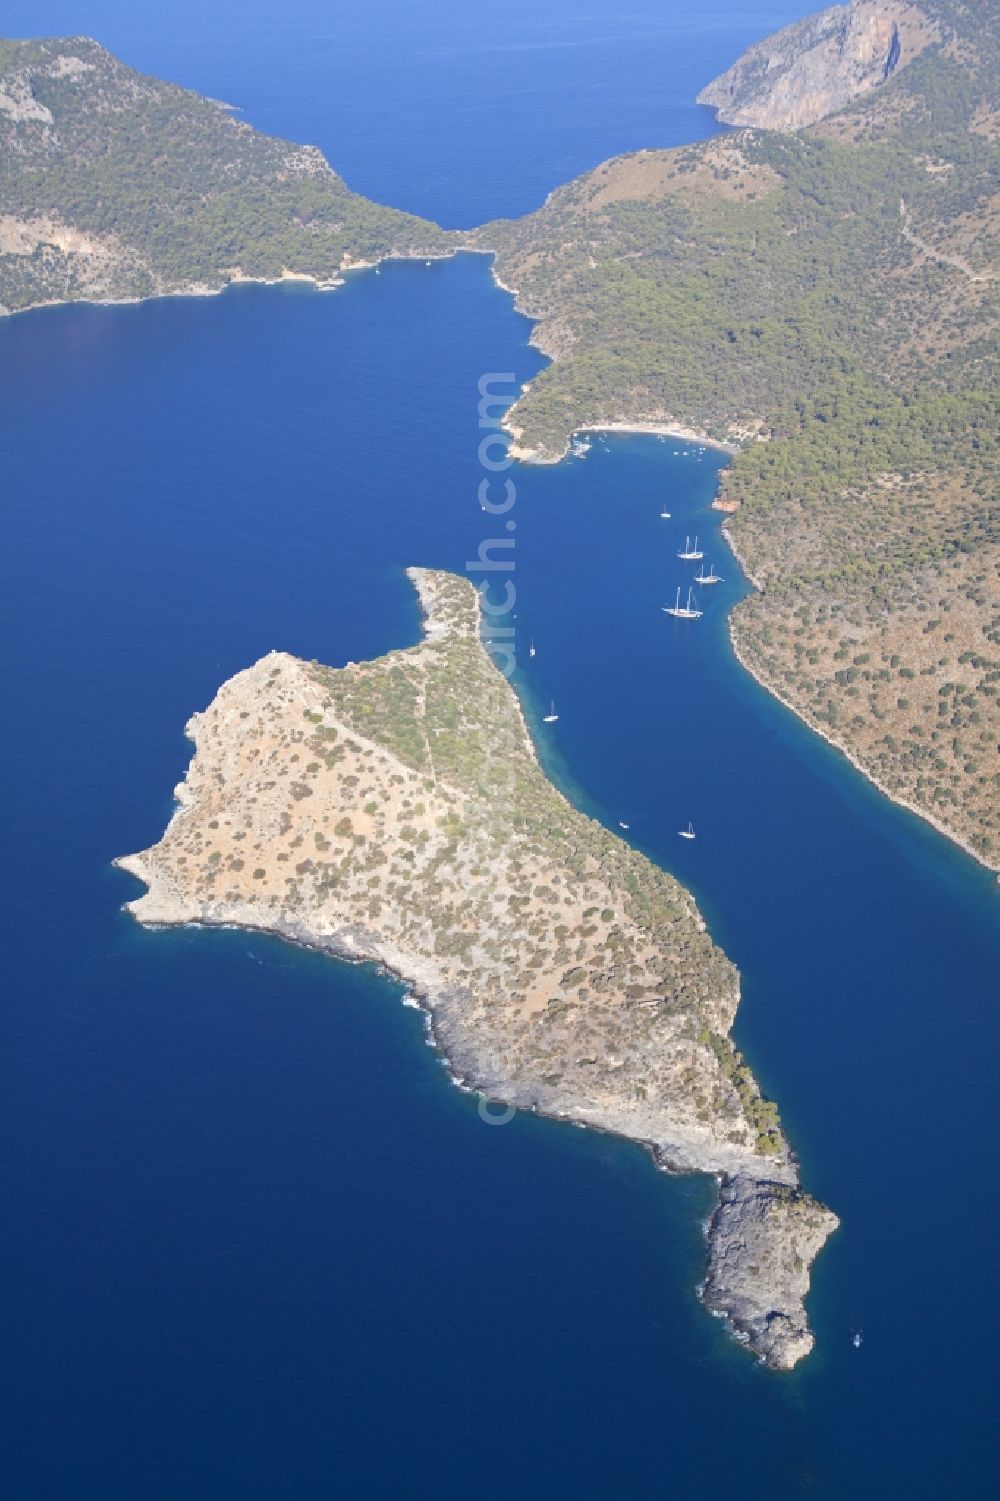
255 1246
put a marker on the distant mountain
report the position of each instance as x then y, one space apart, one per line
116 185
816 66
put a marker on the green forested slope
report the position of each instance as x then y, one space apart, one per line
113 184
827 298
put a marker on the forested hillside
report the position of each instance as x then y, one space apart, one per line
113 184
825 298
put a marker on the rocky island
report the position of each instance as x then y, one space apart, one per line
394 812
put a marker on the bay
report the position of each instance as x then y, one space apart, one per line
255 1244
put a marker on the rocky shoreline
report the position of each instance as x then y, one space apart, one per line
237 279
501 1009
773 1326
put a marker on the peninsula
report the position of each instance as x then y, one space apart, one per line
394 812
118 186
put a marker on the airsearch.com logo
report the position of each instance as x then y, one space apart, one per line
496 499
496 392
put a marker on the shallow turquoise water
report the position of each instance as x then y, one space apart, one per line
256 1245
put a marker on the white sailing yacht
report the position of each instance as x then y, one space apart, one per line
531 648
711 577
551 716
689 551
682 612
687 833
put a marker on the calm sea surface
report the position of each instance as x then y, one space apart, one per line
255 1246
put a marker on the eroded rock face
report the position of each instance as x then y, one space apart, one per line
18 102
815 67
394 811
762 1240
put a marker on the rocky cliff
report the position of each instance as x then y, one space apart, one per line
817 66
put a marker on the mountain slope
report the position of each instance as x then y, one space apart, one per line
116 185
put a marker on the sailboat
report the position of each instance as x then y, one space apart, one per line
531 648
682 612
687 833
665 515
856 1341
711 577
551 716
689 551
